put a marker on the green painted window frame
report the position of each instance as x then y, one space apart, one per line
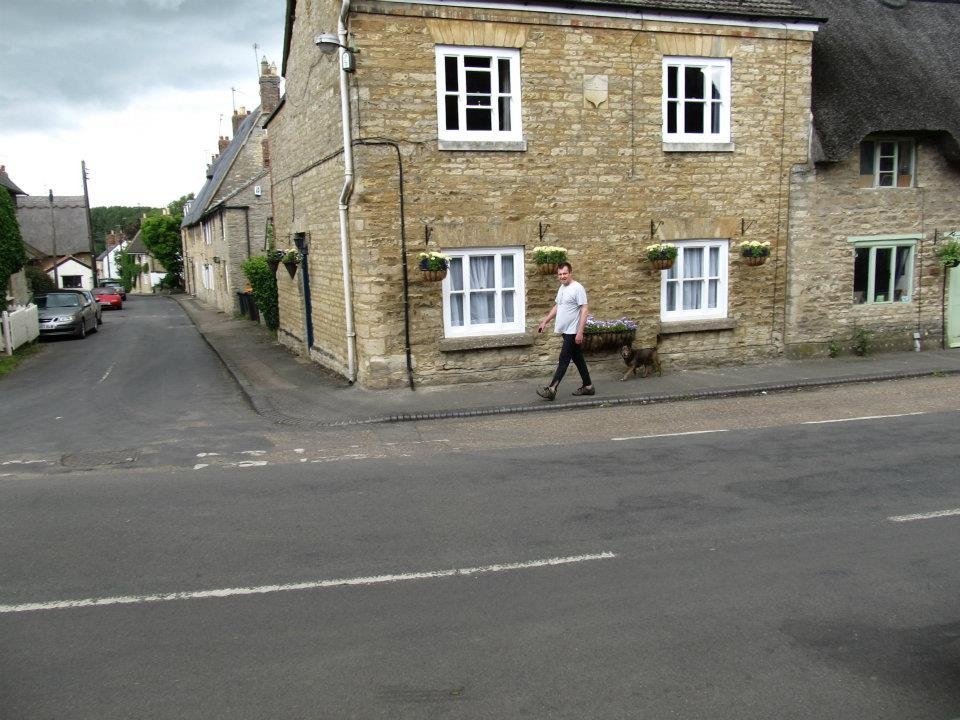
872 243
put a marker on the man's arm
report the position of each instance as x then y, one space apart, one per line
584 311
550 316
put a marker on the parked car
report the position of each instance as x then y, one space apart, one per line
88 294
66 313
108 297
113 283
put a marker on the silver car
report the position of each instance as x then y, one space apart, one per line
66 313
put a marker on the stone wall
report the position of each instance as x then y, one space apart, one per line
595 177
828 206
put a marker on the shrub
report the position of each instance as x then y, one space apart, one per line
264 285
948 254
38 281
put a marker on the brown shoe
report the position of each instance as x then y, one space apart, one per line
547 393
585 390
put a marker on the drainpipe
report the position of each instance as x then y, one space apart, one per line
345 194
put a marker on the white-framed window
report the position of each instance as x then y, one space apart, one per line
883 269
207 277
483 292
887 162
695 288
207 227
696 100
478 94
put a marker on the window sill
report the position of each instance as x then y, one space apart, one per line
485 342
483 145
676 327
697 147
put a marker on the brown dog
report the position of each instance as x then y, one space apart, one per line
646 359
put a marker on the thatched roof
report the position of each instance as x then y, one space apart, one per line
878 68
7 183
68 217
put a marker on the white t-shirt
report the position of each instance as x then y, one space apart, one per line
569 300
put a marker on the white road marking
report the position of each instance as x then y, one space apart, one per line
23 462
200 466
248 463
315 585
109 370
254 453
864 417
677 434
924 516
211 454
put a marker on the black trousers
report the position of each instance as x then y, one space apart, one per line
571 351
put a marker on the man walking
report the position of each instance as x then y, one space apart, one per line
570 309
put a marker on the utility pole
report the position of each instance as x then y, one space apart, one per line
86 204
53 231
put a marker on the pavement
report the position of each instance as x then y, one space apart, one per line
291 390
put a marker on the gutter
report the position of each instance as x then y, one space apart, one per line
345 194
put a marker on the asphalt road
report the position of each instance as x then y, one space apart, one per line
597 564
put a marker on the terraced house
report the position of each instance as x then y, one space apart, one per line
484 129
882 191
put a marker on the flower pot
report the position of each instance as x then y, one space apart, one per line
754 261
662 264
273 265
433 275
547 268
291 268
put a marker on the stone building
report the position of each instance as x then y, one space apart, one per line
485 129
883 188
227 222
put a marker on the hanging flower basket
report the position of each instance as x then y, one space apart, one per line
548 258
433 275
291 261
433 266
754 253
661 255
273 259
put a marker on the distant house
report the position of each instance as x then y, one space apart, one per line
57 230
108 262
151 270
227 221
883 188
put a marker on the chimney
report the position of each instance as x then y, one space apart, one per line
269 87
114 239
238 117
222 144
265 149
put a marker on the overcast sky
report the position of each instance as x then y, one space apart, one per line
139 89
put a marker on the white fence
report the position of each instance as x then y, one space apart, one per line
20 327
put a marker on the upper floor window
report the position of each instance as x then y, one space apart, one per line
483 292
887 163
478 94
696 100
695 288
882 270
207 227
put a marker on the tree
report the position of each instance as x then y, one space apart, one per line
161 235
38 281
129 269
176 207
115 217
12 254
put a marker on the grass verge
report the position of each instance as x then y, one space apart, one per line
9 362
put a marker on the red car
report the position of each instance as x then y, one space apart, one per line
108 297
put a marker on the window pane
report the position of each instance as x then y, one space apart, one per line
671 296
479 119
866 158
503 113
901 278
481 273
692 294
861 265
450 74
452 113
478 101
693 117
671 117
715 118
881 274
503 72
672 81
693 262
456 310
693 84
712 287
456 273
508 300
478 82
714 270
482 306
476 61
506 271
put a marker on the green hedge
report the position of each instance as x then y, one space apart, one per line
264 284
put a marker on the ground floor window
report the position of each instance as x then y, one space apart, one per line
883 270
483 293
695 288
71 281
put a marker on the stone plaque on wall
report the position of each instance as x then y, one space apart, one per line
595 89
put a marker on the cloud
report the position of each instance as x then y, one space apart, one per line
137 88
